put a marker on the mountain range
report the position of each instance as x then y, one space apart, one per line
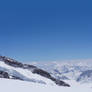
80 71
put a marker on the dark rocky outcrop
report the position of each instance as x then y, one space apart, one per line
32 68
7 76
42 72
59 82
10 61
4 74
15 77
47 75
15 63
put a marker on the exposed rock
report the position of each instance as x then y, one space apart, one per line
47 75
4 74
42 73
15 77
10 61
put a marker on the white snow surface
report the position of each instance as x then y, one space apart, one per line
7 85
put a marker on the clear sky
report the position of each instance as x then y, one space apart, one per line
46 30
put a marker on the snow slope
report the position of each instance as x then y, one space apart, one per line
12 69
25 74
22 86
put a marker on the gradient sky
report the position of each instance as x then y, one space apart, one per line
46 30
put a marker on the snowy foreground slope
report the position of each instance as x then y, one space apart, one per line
7 85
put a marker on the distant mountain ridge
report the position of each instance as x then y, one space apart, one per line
78 71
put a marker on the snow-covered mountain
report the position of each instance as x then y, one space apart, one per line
80 71
41 76
12 69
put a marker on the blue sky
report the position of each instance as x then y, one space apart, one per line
46 30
